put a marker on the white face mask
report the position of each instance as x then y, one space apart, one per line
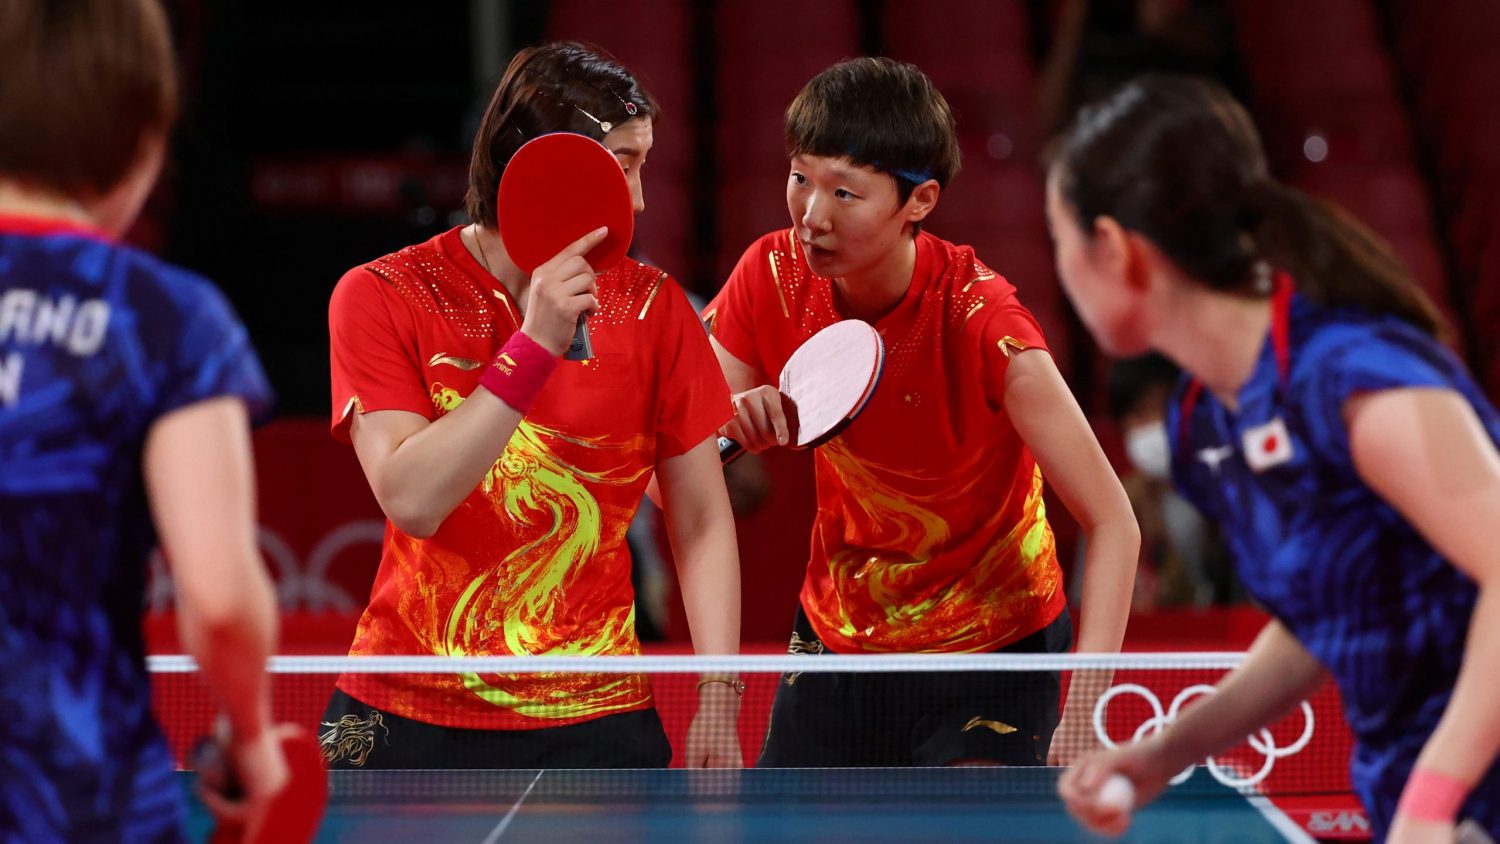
1147 447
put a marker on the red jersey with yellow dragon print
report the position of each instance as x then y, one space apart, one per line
534 560
931 534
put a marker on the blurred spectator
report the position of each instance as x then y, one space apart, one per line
1183 562
1098 45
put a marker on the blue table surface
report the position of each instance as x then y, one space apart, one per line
824 805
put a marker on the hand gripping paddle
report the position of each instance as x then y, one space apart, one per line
556 189
825 384
293 815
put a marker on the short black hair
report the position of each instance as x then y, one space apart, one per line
882 114
84 84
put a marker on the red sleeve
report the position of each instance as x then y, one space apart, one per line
372 352
1007 328
693 398
731 315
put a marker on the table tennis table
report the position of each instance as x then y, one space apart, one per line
783 805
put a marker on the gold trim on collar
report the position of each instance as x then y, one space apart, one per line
776 279
505 300
985 274
652 298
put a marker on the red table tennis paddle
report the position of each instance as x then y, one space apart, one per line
293 815
825 384
556 189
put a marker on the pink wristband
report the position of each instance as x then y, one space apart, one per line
1432 796
518 372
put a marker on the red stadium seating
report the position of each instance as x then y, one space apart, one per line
1373 131
1328 99
955 28
657 48
976 54
768 51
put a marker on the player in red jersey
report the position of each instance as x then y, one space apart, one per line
509 478
931 534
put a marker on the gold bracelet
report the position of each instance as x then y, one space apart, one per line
737 685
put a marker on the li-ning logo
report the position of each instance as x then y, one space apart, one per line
506 363
1264 743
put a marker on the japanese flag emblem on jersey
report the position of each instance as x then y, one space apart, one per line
1267 446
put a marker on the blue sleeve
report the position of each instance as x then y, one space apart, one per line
1348 360
1188 474
212 355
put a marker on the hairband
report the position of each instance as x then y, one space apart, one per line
916 177
913 176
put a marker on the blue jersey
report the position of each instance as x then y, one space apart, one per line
97 342
1381 609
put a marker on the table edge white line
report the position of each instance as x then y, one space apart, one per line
499 829
1279 820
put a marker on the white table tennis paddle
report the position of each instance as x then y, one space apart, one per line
825 384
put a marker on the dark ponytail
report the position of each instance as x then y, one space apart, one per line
1336 259
1178 160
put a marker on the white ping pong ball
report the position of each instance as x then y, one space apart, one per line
1117 794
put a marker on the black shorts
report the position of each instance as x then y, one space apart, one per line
358 736
920 718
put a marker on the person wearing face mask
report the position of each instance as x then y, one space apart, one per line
1182 561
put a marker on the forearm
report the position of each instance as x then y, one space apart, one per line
708 571
1277 674
1467 738
231 633
1108 577
700 527
200 481
1054 428
1108 580
425 476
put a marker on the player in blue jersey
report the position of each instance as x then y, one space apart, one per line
125 389
1348 455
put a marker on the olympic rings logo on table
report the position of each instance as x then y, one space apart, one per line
1263 742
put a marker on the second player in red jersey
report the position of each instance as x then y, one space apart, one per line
931 533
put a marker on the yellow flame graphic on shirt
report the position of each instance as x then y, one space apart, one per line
512 605
888 563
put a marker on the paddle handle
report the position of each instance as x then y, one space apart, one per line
581 348
214 770
729 450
